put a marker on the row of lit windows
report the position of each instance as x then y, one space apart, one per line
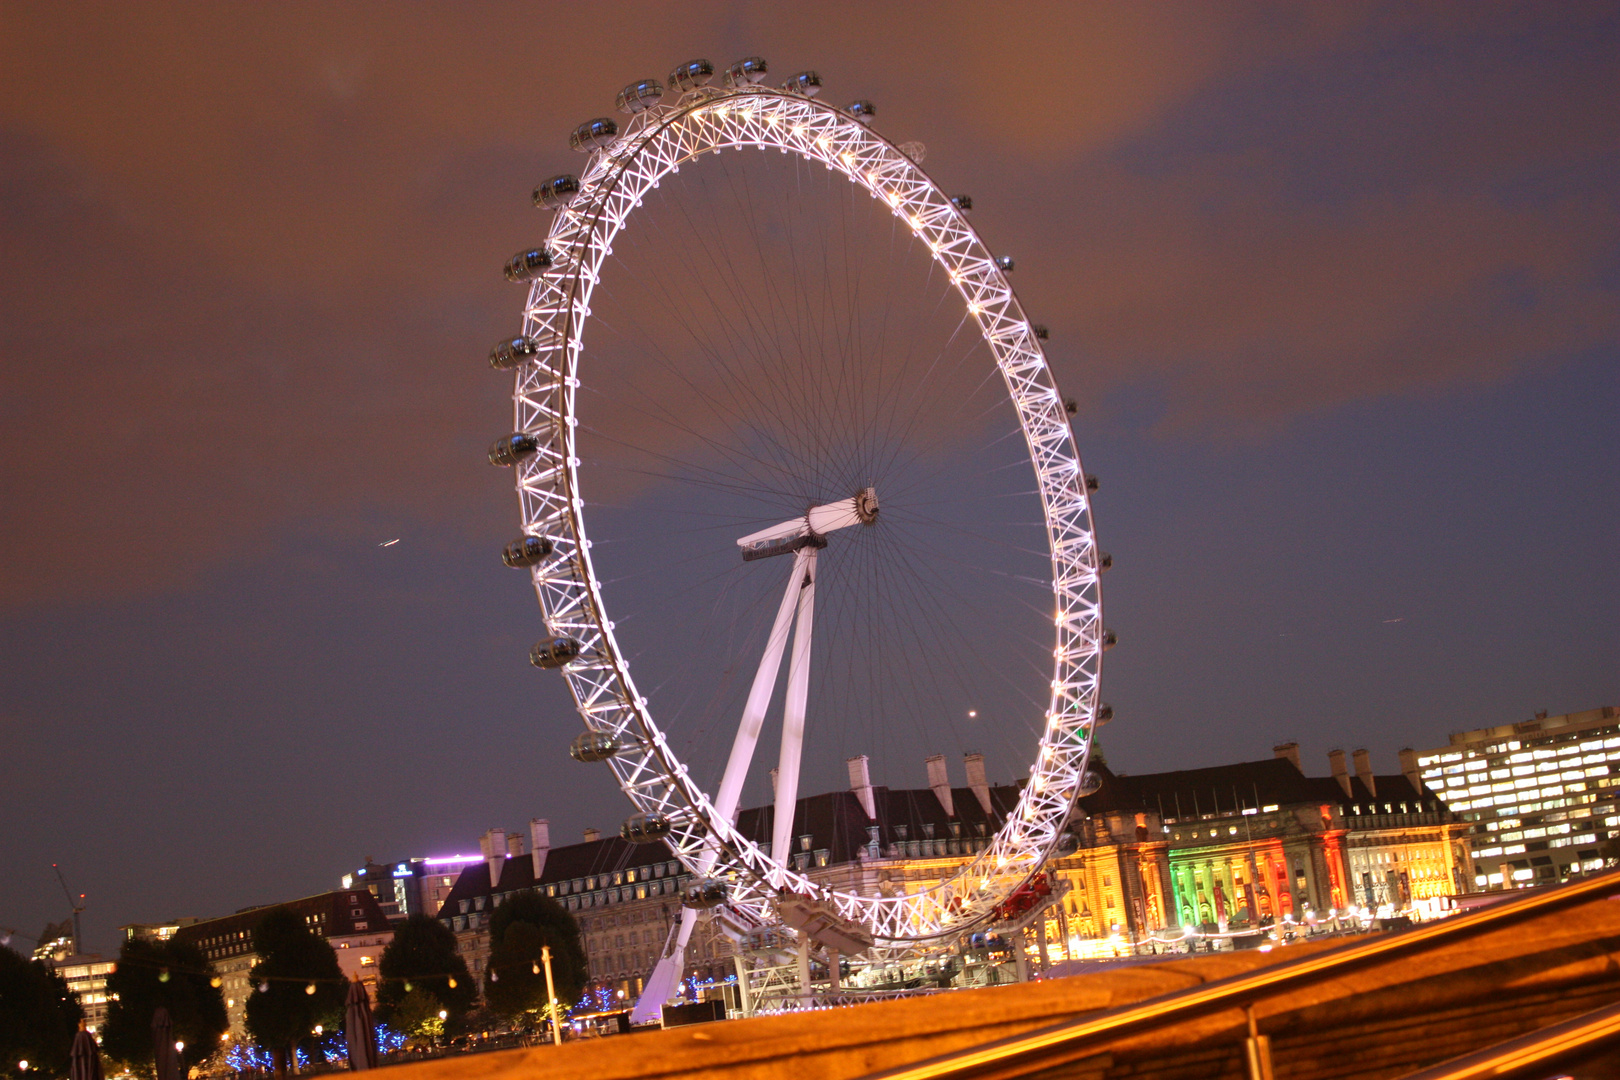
1457 761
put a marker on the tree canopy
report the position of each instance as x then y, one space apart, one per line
422 960
519 929
38 1018
296 984
175 976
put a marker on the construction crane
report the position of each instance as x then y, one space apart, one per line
76 905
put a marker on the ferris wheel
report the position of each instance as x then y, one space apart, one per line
811 469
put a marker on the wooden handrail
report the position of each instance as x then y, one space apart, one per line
1238 990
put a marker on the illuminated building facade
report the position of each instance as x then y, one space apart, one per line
86 978
1540 794
350 920
626 896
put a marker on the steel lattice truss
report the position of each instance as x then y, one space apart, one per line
659 142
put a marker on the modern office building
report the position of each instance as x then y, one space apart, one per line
86 978
1540 794
410 886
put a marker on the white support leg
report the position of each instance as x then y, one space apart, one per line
759 696
667 973
798 690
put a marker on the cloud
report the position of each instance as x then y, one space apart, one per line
253 253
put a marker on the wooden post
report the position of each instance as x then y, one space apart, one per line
551 996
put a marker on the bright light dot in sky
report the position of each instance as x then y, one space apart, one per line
972 713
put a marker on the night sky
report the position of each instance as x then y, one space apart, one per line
1337 289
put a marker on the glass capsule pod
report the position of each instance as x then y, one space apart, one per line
510 352
1105 713
1105 561
1090 783
553 652
1005 263
749 71
527 265
691 75
1041 332
511 449
593 746
862 110
704 893
525 551
1092 483
644 828
639 96
556 192
1109 640
962 202
594 134
1071 406
805 84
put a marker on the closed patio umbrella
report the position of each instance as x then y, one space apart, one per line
164 1059
84 1060
358 1032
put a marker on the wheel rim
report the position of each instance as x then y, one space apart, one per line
557 315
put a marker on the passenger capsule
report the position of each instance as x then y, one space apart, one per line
644 828
805 84
525 551
511 352
556 192
1071 406
1092 483
749 71
1041 333
1090 783
639 96
512 449
1005 263
593 746
554 652
1105 713
862 111
962 202
691 75
594 134
1109 640
1105 561
527 265
704 893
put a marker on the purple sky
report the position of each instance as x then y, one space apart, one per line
1337 288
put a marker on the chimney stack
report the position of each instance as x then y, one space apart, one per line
860 782
493 845
1364 771
539 845
1288 751
1336 762
940 782
976 780
1409 767
592 835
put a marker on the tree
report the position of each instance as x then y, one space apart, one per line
175 976
38 1018
516 981
422 960
296 985
417 1015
